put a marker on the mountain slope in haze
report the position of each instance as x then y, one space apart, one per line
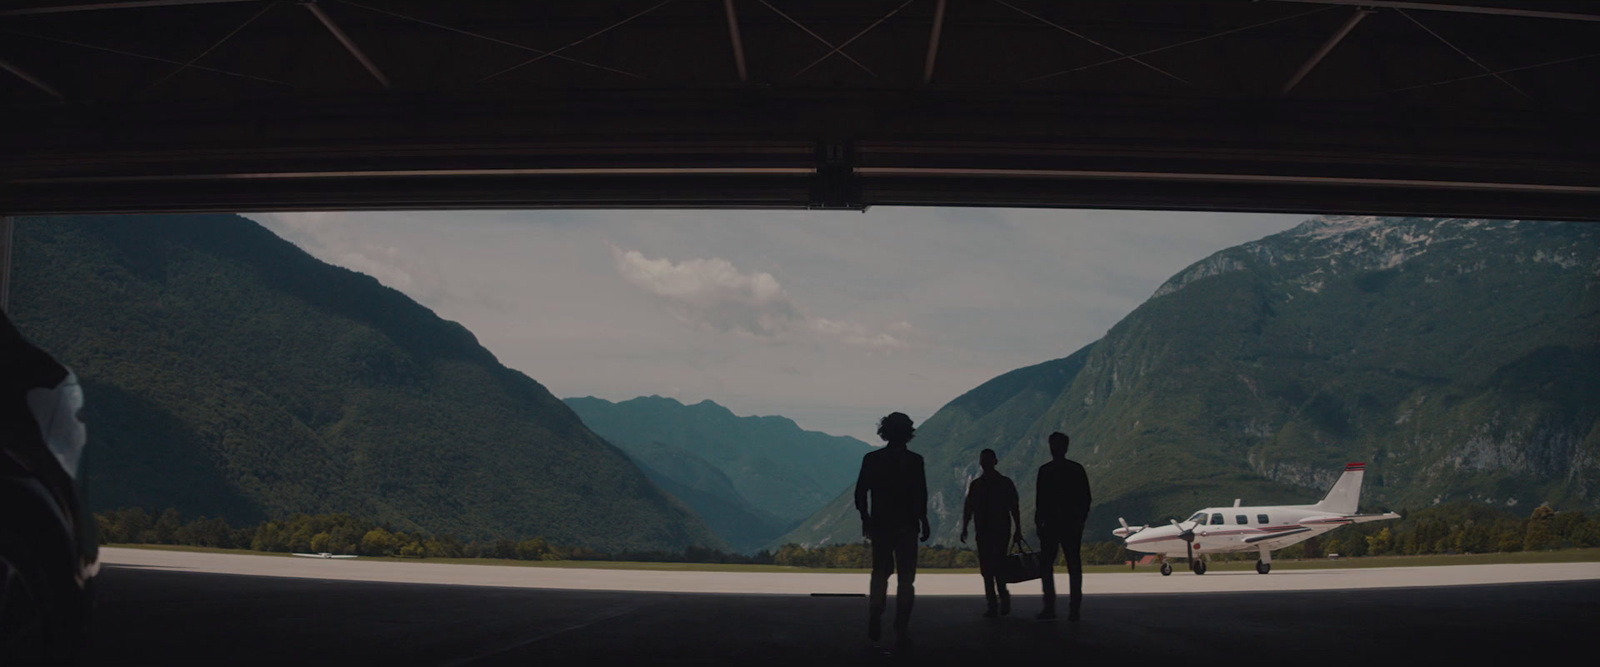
226 372
1459 358
709 492
750 478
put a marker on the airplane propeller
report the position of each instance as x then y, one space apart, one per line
1187 535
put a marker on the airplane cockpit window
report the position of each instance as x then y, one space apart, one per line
1241 519
1199 517
1261 518
1216 520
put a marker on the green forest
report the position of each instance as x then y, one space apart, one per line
1458 528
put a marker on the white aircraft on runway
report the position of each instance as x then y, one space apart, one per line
1264 528
323 555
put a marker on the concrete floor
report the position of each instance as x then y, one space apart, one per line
156 614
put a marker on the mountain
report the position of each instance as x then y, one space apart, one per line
1459 358
751 478
226 372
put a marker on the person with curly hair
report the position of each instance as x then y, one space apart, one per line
892 497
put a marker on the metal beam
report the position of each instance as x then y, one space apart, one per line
1463 54
98 6
349 45
142 56
1455 9
6 236
738 44
1547 63
731 147
1086 38
1273 179
214 46
428 173
933 42
1186 42
817 37
31 79
1311 63
586 38
848 42
486 38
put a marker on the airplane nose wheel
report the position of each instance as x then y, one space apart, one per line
1263 568
1166 569
1199 566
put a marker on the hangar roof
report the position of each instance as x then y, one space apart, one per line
1465 107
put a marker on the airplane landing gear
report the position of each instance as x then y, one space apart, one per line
1199 566
1166 569
1263 568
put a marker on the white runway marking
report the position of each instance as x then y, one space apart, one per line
805 583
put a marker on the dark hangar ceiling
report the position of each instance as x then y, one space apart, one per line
1429 108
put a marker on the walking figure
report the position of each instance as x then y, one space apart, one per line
1061 508
992 502
892 496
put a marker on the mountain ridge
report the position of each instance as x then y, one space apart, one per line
229 373
1457 356
779 472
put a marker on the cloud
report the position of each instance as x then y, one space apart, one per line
860 335
713 293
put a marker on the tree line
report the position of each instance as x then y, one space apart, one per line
318 533
1447 529
1458 528
345 534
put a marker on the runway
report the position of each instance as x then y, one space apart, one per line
173 614
1145 581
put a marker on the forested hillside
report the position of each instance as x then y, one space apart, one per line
228 373
1459 358
751 478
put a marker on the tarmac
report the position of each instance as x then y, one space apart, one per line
182 608
1144 581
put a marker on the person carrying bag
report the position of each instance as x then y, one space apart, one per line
992 501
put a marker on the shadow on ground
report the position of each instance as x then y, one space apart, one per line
148 616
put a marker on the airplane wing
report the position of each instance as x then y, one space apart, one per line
1363 518
1286 531
343 556
1346 519
307 555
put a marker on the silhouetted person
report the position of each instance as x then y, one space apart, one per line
992 502
892 496
1063 504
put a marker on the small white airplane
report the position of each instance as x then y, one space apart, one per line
323 555
1262 528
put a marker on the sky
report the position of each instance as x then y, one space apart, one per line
832 319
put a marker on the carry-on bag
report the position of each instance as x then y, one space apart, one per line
1022 565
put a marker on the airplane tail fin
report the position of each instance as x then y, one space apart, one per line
1345 495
